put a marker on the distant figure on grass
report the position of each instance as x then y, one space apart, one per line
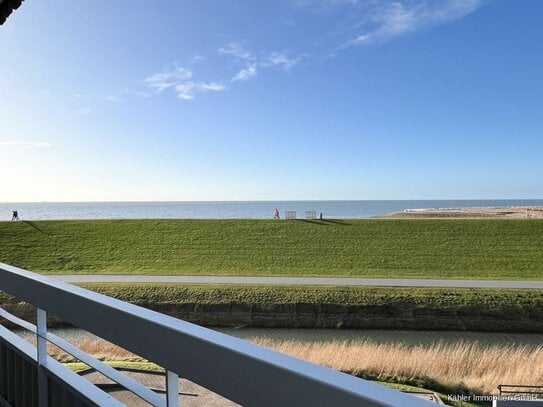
15 215
276 214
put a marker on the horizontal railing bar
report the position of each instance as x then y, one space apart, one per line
522 392
22 346
123 380
79 385
246 373
126 381
83 386
17 321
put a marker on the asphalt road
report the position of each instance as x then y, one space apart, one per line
316 281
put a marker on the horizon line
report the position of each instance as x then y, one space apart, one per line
276 200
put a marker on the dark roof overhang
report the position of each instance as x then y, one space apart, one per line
7 7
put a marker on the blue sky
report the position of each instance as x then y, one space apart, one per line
279 100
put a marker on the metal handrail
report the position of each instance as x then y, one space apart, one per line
519 386
125 381
82 386
246 373
17 321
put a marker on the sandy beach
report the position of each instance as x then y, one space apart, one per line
516 212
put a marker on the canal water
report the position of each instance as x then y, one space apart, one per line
409 338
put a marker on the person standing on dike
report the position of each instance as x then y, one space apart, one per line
276 214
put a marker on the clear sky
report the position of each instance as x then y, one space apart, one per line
271 100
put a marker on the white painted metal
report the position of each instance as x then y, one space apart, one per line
17 321
127 382
41 331
71 379
172 389
249 374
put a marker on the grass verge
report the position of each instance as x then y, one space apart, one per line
491 310
438 248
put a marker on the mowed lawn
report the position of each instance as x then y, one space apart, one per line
433 248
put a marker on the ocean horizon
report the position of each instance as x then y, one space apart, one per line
347 209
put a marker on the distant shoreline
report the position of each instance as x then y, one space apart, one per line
515 212
239 210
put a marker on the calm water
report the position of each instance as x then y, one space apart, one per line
409 338
233 210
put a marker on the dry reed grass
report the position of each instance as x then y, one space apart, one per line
100 349
465 365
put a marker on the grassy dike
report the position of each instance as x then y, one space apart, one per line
424 248
334 307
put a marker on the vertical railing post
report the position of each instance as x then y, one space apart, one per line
41 331
172 389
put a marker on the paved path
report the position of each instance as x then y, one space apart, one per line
341 281
191 394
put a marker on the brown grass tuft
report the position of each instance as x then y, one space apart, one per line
464 365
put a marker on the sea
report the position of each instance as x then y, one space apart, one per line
234 209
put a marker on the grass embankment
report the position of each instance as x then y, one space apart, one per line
346 307
334 307
442 248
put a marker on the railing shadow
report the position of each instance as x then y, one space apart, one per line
337 222
313 221
325 222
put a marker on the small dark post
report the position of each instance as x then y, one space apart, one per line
320 216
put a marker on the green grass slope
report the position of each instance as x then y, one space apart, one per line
489 310
442 248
